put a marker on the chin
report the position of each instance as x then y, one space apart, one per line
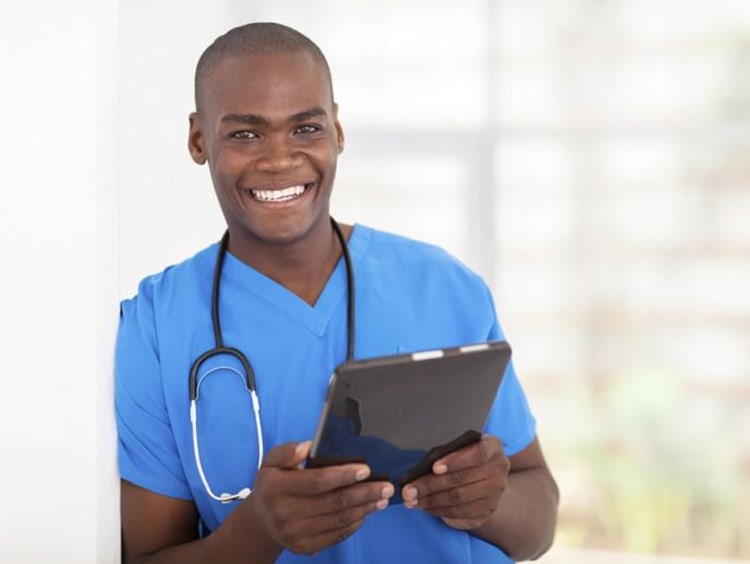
281 233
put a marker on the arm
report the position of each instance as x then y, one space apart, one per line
511 503
523 524
157 528
160 529
300 510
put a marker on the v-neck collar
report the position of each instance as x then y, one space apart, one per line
314 318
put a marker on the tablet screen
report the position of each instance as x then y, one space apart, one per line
398 414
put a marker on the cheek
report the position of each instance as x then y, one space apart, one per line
326 159
227 167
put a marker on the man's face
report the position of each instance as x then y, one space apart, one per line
267 127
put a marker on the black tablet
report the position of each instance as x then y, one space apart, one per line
399 414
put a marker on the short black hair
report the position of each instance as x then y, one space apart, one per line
256 38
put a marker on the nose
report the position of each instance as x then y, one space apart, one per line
278 155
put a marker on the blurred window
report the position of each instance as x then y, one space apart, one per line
591 158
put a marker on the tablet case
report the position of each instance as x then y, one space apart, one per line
399 414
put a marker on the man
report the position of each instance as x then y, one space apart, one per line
266 124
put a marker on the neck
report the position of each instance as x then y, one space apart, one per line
302 267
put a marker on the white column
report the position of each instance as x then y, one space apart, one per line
58 281
168 210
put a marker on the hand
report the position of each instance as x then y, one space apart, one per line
306 510
465 486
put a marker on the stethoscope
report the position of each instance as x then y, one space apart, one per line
249 377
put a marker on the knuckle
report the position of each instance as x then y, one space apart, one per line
300 547
280 517
339 499
456 478
473 523
344 518
505 463
452 512
335 501
498 467
500 459
455 496
430 485
318 482
292 545
342 536
291 530
488 447
501 487
347 531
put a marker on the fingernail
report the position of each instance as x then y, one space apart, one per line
300 449
410 497
382 504
387 491
440 468
362 473
409 494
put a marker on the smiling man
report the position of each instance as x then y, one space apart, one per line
198 421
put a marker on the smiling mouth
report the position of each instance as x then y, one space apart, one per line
280 195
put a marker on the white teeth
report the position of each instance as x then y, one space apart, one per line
278 195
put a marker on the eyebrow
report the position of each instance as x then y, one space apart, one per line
249 119
307 114
254 119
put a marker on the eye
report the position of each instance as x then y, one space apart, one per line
243 134
307 129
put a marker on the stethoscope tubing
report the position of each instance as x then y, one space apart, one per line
249 377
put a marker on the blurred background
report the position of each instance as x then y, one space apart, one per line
590 158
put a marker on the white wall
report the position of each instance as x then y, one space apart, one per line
167 206
58 281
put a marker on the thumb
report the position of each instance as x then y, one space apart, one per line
288 455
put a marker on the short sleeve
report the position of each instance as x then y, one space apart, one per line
147 453
510 418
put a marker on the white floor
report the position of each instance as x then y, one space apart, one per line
560 555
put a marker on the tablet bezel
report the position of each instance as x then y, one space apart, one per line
426 367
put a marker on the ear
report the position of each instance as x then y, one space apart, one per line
195 140
339 129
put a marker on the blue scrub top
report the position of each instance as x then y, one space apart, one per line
410 296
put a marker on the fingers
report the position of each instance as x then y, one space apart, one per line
470 456
479 509
314 481
289 455
452 488
338 521
465 486
337 502
306 524
480 462
318 481
308 509
311 544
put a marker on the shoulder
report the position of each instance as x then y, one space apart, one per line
416 260
401 246
417 296
169 288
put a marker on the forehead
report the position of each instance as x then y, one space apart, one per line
269 84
